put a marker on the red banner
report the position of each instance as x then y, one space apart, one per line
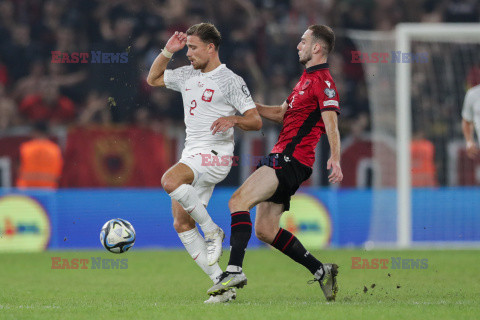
115 157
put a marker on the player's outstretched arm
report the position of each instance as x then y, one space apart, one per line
467 128
274 113
174 44
250 121
330 119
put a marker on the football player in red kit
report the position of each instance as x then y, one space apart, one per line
310 111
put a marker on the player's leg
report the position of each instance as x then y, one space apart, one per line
197 248
260 186
177 182
193 240
267 229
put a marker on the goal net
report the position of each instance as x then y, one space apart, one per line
424 186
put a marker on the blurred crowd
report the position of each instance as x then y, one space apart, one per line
259 43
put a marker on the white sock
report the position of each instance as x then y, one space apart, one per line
196 247
234 269
187 196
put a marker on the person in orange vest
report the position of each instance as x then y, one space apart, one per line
424 173
41 161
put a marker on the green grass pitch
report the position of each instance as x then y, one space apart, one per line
169 285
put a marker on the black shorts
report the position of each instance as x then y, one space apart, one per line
290 173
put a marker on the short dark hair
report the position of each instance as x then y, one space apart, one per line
207 33
323 33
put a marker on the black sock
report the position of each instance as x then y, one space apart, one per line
241 232
289 245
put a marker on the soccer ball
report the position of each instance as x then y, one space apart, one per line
117 235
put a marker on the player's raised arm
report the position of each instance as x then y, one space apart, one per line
330 119
250 121
157 70
274 113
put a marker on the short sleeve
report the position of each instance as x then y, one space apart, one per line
175 79
238 95
327 96
467 110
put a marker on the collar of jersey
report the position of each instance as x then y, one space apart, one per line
209 73
317 67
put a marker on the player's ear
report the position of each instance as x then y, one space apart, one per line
211 48
317 48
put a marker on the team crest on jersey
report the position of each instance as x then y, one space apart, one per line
208 95
306 84
330 92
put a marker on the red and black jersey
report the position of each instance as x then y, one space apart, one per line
302 123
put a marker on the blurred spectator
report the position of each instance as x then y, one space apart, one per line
41 160
18 51
48 105
424 173
118 80
3 73
30 84
96 110
462 11
8 110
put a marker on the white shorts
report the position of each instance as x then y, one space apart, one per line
208 168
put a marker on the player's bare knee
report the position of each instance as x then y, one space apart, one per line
263 234
169 183
238 201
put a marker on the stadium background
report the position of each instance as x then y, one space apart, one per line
118 135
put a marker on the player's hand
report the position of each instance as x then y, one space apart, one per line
336 175
472 150
176 42
223 124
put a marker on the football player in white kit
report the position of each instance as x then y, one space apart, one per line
471 120
212 94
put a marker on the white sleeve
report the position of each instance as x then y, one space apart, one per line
175 79
467 110
238 95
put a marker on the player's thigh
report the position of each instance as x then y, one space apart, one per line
177 175
267 220
209 178
260 186
182 221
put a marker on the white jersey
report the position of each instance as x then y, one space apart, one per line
207 97
471 107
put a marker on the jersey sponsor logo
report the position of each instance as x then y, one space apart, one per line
245 90
208 95
306 84
330 93
330 103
